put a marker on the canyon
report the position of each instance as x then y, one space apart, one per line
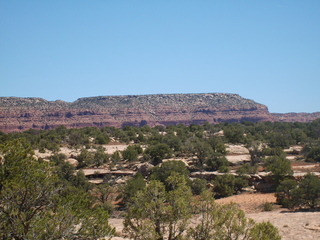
20 114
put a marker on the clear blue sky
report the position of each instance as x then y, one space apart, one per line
268 51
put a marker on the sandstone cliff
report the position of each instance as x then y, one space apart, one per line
19 114
296 117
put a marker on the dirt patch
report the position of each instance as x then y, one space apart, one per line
291 225
250 202
305 167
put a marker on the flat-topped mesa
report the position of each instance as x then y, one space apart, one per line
172 100
18 114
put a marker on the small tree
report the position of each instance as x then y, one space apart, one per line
217 161
256 152
264 231
58 158
166 169
247 169
104 194
36 204
306 194
158 152
173 141
279 167
311 191
217 145
85 158
102 138
313 155
227 222
298 135
157 214
200 149
279 139
130 154
228 184
234 133
133 185
198 186
283 192
115 157
100 157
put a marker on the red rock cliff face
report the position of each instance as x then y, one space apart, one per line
19 114
296 117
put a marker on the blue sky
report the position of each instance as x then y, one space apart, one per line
268 51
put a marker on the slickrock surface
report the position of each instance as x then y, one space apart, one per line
291 225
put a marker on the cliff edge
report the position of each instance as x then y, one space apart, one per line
19 114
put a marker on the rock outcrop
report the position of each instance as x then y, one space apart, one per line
296 117
19 114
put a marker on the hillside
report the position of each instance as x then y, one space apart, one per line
18 114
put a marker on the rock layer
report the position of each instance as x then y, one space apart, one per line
296 117
19 114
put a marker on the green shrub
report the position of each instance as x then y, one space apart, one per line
167 169
198 186
268 206
304 195
228 184
130 154
133 185
223 169
279 167
217 161
247 169
158 152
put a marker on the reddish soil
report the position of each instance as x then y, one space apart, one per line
250 202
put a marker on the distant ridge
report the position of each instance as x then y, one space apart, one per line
18 114
295 117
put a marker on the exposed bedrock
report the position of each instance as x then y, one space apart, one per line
19 114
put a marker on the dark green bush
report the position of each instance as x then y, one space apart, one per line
228 184
198 186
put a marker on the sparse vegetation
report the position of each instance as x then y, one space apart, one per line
268 206
305 194
227 222
191 149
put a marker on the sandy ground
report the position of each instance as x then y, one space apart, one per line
291 225
249 202
109 148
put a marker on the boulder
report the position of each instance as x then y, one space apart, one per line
72 161
237 149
